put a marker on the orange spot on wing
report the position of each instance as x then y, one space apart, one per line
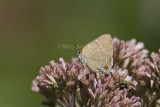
82 50
106 67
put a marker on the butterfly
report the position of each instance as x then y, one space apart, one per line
98 54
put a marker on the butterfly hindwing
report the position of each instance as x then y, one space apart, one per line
99 52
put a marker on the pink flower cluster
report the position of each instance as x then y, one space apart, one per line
73 85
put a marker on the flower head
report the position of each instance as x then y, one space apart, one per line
73 85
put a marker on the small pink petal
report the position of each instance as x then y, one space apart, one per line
137 104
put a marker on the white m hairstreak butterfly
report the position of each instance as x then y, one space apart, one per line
98 54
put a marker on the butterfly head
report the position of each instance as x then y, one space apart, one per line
79 55
78 52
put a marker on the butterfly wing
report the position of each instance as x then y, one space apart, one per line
98 53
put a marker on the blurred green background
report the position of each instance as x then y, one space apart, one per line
32 30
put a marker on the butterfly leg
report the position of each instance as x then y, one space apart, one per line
85 66
97 75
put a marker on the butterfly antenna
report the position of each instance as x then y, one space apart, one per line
76 47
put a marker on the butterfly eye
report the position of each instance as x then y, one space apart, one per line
78 52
